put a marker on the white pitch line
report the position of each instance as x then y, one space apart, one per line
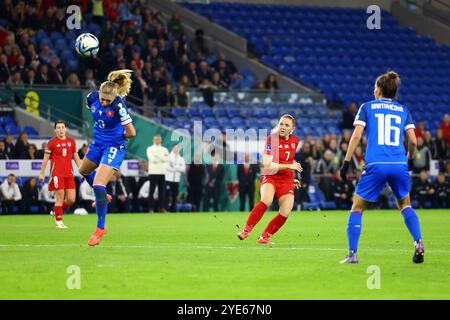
194 246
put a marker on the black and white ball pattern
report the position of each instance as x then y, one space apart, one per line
87 45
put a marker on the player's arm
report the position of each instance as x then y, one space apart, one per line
77 159
44 165
130 131
354 142
267 163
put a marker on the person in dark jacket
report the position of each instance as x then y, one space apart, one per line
116 188
195 175
246 176
30 196
423 191
442 188
215 173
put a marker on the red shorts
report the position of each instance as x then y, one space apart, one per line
282 186
59 183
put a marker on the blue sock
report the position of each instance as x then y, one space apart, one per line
90 178
101 205
354 230
412 222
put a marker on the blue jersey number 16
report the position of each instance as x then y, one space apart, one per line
387 129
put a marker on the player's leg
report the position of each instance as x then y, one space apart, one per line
58 208
267 193
399 182
286 203
104 174
368 190
90 162
70 193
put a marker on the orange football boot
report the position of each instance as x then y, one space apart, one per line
97 236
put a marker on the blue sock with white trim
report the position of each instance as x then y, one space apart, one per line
412 222
354 230
101 205
90 177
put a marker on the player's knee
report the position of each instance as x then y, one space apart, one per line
267 202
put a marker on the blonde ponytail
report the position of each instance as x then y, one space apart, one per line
119 83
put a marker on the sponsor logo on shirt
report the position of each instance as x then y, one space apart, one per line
269 148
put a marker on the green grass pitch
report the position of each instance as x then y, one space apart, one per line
198 256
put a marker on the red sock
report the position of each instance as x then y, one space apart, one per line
58 213
274 225
65 206
255 215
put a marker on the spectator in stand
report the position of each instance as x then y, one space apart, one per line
10 194
342 192
116 188
271 83
73 81
47 198
5 72
31 56
423 191
30 79
259 85
16 79
138 88
428 141
21 66
181 99
13 58
48 22
181 67
97 11
445 127
3 154
215 174
43 77
199 43
46 55
218 83
10 148
89 81
441 149
318 150
195 179
30 195
158 157
304 157
225 67
21 146
192 74
174 26
40 152
422 157
30 153
357 162
55 73
203 71
420 129
166 98
184 81
442 188
175 168
327 169
87 196
246 176
156 84
348 117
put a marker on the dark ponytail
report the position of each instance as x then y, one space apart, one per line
388 83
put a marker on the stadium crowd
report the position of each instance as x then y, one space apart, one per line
159 190
166 63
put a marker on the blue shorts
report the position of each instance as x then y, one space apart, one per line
111 156
375 176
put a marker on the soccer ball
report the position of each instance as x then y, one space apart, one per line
87 45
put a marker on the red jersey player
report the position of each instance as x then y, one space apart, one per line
60 150
277 179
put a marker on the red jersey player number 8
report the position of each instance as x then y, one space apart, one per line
60 151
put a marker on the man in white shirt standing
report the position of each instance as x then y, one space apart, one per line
176 167
10 194
158 158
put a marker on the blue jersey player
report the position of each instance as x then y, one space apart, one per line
113 126
386 160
